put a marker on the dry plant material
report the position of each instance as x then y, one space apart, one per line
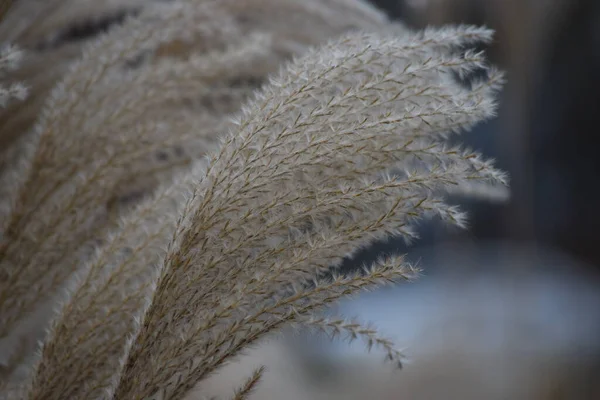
347 144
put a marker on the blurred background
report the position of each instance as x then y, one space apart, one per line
545 129
511 307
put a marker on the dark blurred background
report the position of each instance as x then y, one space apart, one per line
549 116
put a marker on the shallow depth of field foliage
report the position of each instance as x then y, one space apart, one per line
176 180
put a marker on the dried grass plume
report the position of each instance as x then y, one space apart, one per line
187 187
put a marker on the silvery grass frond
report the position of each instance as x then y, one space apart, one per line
347 144
146 99
54 31
344 146
353 330
88 142
243 392
112 126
